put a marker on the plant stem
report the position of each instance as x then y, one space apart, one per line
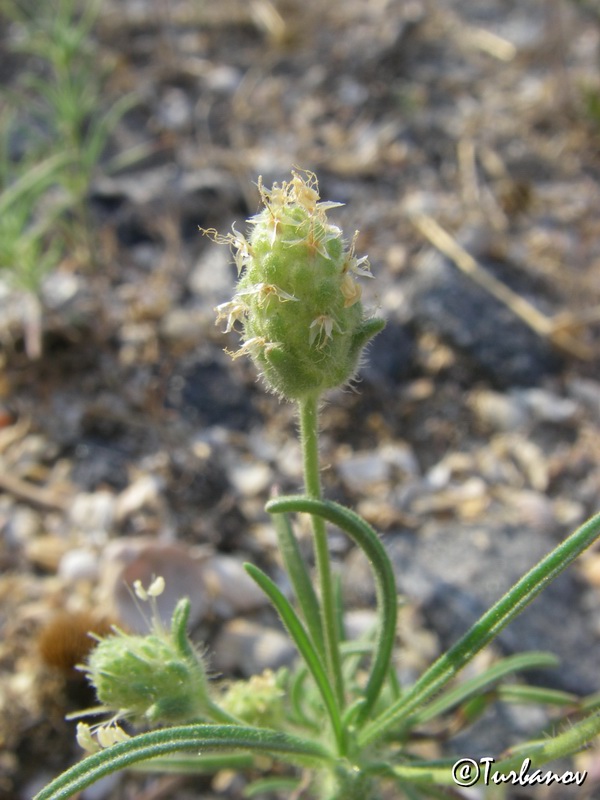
309 439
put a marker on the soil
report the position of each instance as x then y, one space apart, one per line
460 140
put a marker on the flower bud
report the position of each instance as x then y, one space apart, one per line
297 298
158 677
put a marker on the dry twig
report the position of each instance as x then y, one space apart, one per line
554 329
45 499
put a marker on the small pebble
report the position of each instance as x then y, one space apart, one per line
231 590
175 110
251 479
501 412
182 326
78 564
527 456
212 273
46 552
467 499
143 493
361 470
587 392
24 524
589 567
93 512
534 509
546 406
247 647
60 288
361 622
102 788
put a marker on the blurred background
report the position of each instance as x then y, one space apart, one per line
464 140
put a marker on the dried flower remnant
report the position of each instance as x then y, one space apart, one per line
68 637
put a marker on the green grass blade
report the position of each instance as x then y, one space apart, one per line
33 182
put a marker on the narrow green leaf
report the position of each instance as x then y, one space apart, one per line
300 579
366 538
305 647
592 703
103 126
485 629
288 748
275 784
537 695
480 683
565 744
197 764
423 773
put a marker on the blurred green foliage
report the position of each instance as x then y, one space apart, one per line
52 137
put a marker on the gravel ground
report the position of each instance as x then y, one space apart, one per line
456 135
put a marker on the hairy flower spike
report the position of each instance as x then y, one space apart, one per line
158 677
297 298
259 700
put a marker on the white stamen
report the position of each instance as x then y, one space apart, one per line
139 590
157 587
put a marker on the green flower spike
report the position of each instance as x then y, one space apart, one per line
158 677
297 298
258 701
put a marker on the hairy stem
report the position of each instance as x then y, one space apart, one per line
309 438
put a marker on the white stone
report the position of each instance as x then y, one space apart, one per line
78 564
549 407
364 469
93 512
502 412
251 478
